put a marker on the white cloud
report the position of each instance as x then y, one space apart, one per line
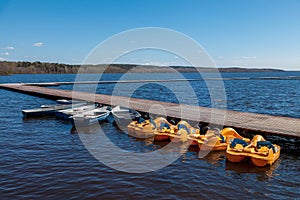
38 44
1 59
9 48
6 54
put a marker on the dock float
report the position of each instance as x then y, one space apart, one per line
247 122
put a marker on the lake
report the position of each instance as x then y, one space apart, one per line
41 158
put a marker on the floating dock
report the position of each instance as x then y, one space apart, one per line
247 122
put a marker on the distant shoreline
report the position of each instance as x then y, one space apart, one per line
8 68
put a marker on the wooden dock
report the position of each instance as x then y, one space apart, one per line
249 122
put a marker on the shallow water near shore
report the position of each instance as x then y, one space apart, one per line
41 158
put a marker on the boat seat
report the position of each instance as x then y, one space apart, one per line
183 126
267 144
153 123
164 125
222 138
236 141
141 120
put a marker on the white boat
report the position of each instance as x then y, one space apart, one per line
124 116
91 117
68 101
48 110
67 113
62 102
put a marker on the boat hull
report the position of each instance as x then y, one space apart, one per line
262 161
204 147
91 117
89 122
235 158
193 142
144 133
161 137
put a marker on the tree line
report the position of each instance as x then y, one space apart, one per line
24 67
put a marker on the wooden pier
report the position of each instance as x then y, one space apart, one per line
249 122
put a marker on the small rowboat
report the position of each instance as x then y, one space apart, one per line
260 151
91 117
48 110
124 116
62 102
67 113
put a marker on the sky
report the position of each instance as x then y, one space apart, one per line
246 33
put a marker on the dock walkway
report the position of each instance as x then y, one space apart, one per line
267 124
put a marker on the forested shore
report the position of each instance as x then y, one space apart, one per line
8 67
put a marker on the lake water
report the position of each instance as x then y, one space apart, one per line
40 158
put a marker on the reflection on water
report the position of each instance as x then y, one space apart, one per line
263 173
215 157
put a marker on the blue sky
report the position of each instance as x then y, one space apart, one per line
251 33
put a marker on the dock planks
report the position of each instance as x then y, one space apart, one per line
267 124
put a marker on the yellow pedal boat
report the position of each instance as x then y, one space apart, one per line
260 151
216 140
182 131
143 128
163 129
